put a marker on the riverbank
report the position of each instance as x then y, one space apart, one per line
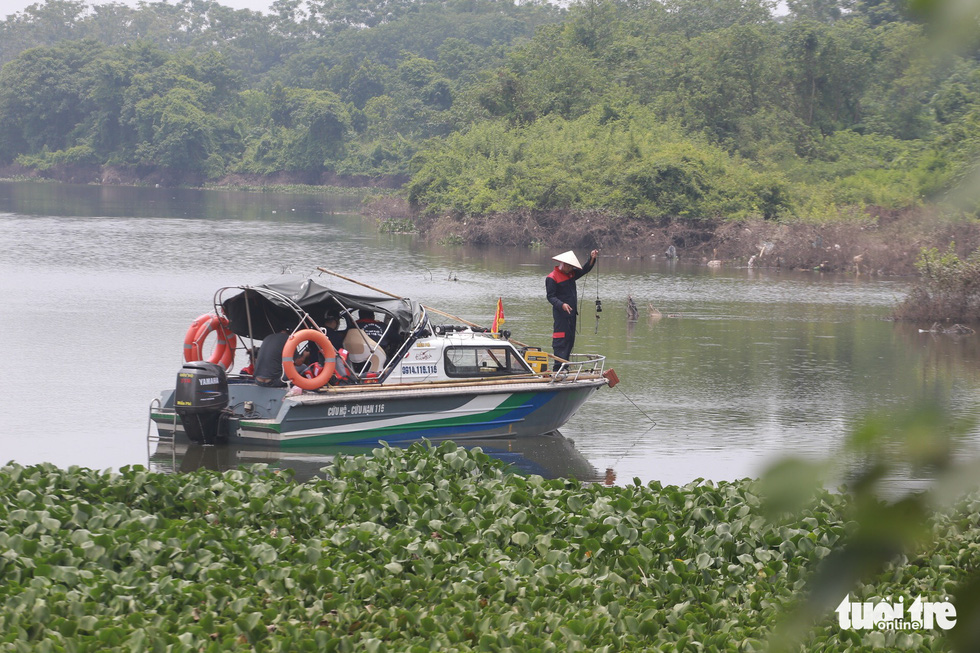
430 549
875 242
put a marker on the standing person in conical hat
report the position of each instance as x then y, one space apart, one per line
563 295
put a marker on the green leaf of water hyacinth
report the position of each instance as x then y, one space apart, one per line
417 550
394 567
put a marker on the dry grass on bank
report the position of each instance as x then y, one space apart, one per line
882 243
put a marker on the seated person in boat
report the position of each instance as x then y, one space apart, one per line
362 349
331 323
336 336
371 327
386 335
268 363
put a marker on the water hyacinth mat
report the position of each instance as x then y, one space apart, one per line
433 549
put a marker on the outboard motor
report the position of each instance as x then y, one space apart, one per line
200 400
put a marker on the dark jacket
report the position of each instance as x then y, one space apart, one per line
372 329
268 365
560 289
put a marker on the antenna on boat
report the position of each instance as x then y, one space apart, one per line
598 302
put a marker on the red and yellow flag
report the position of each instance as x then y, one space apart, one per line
498 317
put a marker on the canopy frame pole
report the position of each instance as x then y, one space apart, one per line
429 308
251 339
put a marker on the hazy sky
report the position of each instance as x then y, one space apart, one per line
8 7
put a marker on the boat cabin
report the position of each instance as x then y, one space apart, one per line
456 355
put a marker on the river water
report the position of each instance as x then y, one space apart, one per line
742 368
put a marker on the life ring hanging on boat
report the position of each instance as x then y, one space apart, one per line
200 329
329 356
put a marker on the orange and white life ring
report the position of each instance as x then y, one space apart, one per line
200 329
329 356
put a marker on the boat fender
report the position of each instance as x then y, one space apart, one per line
200 329
611 376
289 367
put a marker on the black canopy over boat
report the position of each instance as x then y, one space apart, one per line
258 311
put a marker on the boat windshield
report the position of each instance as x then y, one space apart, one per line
483 361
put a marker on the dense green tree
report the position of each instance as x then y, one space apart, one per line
289 18
553 74
720 81
40 24
906 72
368 81
299 130
879 12
821 11
340 14
40 97
951 168
174 131
829 67
422 78
110 76
319 135
178 114
592 24
461 61
958 95
693 17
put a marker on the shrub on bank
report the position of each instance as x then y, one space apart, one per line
624 161
419 550
948 290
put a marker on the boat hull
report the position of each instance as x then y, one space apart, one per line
365 416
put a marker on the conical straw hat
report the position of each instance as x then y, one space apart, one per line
568 257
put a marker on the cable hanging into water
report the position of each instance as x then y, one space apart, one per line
638 408
637 439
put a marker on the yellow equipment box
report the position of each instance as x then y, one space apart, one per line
537 359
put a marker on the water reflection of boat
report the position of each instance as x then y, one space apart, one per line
551 455
418 380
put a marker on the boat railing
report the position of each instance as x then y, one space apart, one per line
154 436
580 365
